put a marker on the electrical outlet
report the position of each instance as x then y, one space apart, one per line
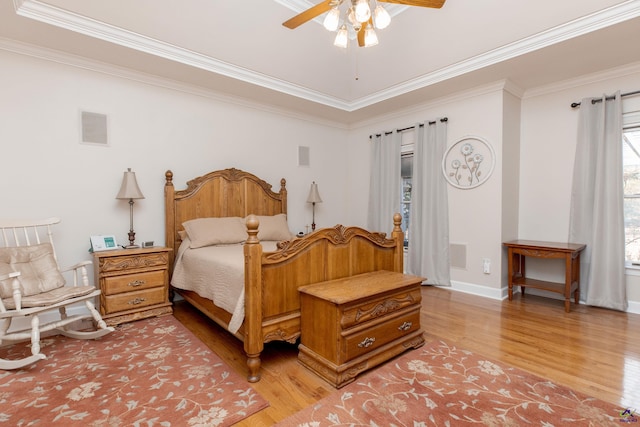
486 266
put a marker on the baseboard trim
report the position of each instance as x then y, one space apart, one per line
480 290
503 293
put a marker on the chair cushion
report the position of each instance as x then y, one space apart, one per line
38 269
53 296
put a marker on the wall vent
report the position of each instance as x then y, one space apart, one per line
93 128
458 255
303 156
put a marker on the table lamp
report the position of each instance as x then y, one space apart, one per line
314 197
130 190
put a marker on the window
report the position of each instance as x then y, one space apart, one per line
631 183
406 170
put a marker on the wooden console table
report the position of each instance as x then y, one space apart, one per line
570 252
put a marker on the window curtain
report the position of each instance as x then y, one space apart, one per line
386 182
597 214
429 216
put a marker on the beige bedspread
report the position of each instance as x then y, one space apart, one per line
215 273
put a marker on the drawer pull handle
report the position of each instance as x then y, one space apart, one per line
137 301
137 283
405 326
367 342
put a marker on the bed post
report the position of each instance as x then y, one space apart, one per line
283 195
398 236
253 340
169 216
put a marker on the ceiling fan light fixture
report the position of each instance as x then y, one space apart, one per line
351 17
342 37
381 17
355 18
362 10
332 19
370 37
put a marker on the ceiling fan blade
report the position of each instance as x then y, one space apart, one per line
361 34
436 4
308 14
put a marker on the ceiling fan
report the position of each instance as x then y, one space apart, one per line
359 17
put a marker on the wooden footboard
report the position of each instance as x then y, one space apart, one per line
272 279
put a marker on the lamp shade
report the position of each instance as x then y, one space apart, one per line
129 188
332 20
314 196
342 38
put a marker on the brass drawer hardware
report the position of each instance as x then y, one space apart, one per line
367 342
405 326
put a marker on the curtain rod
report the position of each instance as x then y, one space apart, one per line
444 119
608 98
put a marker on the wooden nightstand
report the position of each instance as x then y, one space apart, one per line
352 324
134 283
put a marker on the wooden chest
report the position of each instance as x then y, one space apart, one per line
352 324
134 283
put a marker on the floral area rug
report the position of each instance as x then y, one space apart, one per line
152 372
442 385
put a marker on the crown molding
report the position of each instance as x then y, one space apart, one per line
82 63
61 18
588 79
613 15
43 12
441 102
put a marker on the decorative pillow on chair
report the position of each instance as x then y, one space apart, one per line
38 269
215 231
274 228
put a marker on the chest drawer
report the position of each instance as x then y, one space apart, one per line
133 300
379 306
133 282
368 339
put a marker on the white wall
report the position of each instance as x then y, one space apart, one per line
475 214
47 172
549 132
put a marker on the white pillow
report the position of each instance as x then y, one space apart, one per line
215 231
274 227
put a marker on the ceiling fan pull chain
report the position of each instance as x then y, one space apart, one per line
357 73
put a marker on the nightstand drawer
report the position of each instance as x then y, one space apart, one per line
384 332
134 300
134 282
128 261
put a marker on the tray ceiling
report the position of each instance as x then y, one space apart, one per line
241 48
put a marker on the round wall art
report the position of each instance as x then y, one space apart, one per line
468 163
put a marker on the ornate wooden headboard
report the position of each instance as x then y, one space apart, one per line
223 193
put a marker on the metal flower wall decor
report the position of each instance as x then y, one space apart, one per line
468 163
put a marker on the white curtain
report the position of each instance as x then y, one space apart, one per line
429 216
386 182
597 215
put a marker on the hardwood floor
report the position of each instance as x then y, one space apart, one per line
591 350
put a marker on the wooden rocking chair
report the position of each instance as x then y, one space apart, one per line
31 283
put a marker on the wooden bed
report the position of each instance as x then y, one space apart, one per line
271 279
